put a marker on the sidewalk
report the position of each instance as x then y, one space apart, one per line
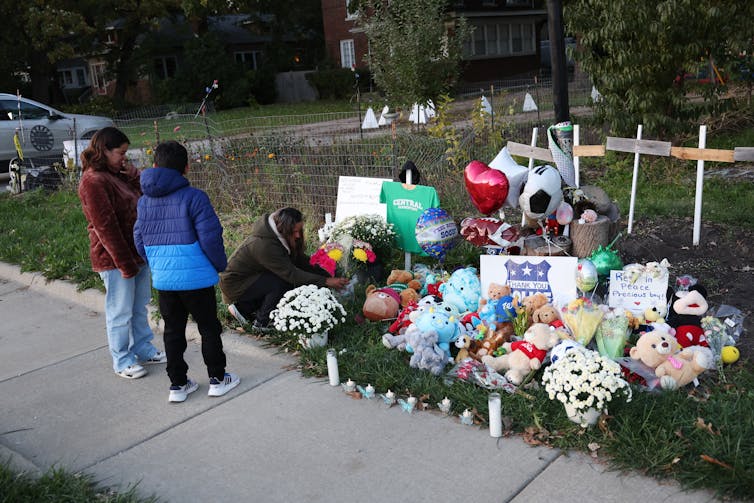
276 438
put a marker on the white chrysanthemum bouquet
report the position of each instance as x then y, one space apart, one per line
583 380
307 310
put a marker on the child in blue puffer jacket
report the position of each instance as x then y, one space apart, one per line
177 231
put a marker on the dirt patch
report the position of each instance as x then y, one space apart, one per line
722 262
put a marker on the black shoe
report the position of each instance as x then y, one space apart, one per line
258 326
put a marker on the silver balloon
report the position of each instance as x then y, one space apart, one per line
586 275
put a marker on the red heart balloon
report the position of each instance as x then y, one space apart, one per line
487 187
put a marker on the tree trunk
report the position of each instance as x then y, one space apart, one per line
40 72
587 237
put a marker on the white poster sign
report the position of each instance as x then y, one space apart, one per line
637 294
359 196
526 275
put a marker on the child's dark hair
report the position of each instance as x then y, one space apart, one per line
171 154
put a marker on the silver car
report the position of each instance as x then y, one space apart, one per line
41 130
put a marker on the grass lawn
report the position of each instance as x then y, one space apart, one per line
702 437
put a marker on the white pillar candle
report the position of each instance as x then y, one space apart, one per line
496 421
332 368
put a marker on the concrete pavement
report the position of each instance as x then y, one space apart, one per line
278 437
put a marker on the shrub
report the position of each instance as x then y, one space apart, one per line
338 83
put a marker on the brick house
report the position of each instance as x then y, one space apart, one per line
505 42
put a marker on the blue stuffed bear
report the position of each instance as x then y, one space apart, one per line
463 289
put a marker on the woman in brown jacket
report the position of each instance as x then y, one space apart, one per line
267 264
109 190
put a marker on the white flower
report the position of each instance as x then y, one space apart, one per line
583 378
307 310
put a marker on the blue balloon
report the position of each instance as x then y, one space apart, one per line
436 232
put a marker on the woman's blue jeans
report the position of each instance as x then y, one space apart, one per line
128 332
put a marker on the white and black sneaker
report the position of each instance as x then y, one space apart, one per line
132 371
159 357
180 393
233 310
219 388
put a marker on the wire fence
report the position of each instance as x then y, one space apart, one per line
256 164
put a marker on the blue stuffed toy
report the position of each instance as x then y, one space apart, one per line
463 289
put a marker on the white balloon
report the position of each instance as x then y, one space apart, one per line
515 174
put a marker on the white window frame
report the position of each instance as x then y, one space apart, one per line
248 56
502 45
347 54
99 81
349 16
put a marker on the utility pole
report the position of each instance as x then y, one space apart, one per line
558 60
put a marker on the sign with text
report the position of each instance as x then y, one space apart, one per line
358 195
636 295
526 275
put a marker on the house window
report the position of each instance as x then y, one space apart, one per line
349 16
164 67
98 77
347 58
65 78
500 39
80 77
249 59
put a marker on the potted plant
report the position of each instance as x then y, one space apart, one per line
308 313
584 382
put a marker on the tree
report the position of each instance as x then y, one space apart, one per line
37 34
635 52
414 49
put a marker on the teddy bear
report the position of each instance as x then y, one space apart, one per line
547 314
430 314
685 315
531 303
526 355
657 350
491 339
380 304
405 284
499 307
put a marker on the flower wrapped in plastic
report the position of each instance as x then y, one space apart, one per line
327 257
612 333
583 379
582 318
307 310
371 229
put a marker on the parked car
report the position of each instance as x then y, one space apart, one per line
44 130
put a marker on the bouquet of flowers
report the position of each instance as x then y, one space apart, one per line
582 318
582 379
612 333
327 257
362 252
371 229
307 310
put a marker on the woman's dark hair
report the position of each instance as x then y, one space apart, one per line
285 220
107 138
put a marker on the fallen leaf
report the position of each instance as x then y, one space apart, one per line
714 461
701 425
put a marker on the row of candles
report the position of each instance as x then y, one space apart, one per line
467 417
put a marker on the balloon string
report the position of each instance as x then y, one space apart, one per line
614 240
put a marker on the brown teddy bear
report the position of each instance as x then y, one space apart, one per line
533 302
656 349
547 314
381 303
404 283
524 356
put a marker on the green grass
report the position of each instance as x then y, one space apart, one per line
702 437
58 485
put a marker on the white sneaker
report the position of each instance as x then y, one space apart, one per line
219 388
233 310
133 371
180 393
159 357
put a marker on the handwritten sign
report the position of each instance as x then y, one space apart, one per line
359 196
526 275
636 296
